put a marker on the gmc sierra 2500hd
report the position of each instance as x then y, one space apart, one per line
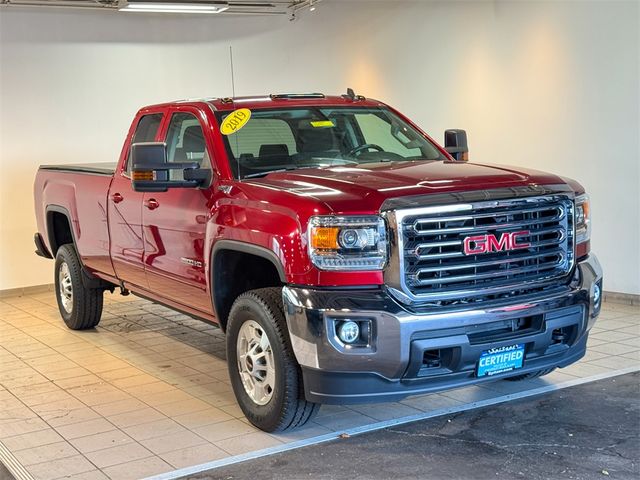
347 256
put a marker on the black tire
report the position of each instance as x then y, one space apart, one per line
530 375
85 305
287 407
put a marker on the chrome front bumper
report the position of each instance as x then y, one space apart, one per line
392 365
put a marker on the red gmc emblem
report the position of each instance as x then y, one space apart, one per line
490 243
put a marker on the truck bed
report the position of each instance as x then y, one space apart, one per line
106 168
78 192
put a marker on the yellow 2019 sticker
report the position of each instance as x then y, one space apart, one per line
235 121
322 124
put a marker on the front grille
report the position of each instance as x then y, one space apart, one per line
435 267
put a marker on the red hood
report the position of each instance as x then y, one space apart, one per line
362 189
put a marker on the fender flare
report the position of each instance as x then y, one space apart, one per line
89 280
49 225
249 248
238 246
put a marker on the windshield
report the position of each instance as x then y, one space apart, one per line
288 139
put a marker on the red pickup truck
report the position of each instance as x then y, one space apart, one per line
347 256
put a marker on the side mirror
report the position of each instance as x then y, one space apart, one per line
455 143
150 169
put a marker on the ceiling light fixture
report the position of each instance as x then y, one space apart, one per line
177 7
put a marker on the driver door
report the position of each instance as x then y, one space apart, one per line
124 205
175 221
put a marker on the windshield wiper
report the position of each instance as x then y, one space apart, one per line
260 174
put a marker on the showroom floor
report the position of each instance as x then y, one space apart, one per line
147 391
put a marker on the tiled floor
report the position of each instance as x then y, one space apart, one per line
147 391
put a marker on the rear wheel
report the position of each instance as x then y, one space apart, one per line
264 373
527 376
80 307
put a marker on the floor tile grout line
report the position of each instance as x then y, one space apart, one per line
12 458
119 335
100 347
13 465
385 424
116 427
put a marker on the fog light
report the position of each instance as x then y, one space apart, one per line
348 332
596 295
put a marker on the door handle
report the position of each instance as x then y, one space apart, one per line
117 198
151 204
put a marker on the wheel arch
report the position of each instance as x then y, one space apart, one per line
58 233
255 259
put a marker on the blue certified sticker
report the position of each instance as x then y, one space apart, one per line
501 360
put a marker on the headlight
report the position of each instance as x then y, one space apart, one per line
348 243
583 218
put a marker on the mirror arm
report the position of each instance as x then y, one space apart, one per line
453 150
160 186
166 166
200 175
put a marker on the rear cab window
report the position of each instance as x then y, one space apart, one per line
263 134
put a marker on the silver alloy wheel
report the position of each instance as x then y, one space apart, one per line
66 287
255 362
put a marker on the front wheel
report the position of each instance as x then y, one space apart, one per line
80 306
264 373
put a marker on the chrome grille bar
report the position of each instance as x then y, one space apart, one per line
480 276
509 259
481 228
461 218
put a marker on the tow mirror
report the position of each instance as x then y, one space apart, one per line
150 171
455 143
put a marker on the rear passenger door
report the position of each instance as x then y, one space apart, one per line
175 221
125 206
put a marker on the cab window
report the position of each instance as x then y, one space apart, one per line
185 143
185 140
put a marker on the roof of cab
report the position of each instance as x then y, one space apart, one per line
275 101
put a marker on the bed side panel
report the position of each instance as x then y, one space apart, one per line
83 196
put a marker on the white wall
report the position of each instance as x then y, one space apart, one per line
549 85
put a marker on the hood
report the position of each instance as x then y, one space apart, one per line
362 189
